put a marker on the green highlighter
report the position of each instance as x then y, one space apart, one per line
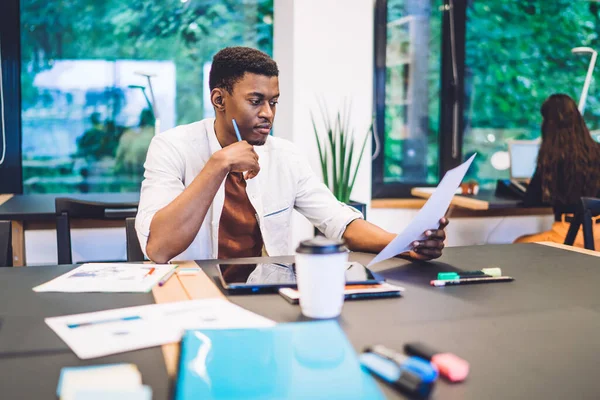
449 276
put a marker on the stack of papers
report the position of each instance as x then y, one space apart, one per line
97 277
115 331
114 381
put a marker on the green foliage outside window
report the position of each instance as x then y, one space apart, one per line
517 54
403 17
187 34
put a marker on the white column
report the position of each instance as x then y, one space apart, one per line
324 49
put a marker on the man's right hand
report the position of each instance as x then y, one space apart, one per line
239 157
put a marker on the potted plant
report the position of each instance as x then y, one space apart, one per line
339 154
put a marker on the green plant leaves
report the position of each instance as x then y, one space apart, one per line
336 152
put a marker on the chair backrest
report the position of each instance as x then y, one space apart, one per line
67 208
5 244
574 226
590 207
134 251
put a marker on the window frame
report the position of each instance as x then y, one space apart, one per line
11 171
451 93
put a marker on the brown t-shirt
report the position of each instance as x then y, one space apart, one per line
239 233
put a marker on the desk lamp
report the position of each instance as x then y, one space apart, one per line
588 77
154 108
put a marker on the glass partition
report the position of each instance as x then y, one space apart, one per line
412 92
518 52
99 78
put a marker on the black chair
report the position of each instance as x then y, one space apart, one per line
589 208
67 209
134 251
5 244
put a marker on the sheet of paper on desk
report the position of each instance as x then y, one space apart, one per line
107 277
429 216
115 331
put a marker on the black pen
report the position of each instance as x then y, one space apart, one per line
467 281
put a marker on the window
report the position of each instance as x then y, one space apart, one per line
10 144
88 111
407 95
518 52
490 64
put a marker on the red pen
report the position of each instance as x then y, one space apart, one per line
150 272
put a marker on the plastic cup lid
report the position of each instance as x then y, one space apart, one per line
321 245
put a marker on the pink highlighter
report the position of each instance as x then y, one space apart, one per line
450 366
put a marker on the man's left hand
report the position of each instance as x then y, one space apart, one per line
431 247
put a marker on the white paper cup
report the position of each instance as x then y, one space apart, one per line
320 273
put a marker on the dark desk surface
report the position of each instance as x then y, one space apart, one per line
38 207
31 355
534 338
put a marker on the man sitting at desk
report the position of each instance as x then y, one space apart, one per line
207 195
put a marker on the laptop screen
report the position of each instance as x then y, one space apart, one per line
523 159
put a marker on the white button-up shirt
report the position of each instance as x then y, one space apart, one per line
285 182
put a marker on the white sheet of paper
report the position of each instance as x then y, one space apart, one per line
429 216
107 277
107 332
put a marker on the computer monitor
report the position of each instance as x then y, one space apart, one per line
523 158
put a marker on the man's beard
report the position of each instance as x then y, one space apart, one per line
257 142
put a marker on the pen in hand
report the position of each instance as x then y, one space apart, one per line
237 130
239 138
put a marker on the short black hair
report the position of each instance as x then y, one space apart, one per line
230 64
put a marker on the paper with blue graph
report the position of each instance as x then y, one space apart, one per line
108 277
102 333
429 216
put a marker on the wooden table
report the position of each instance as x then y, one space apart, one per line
5 197
36 211
181 288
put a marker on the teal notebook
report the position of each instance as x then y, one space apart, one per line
303 360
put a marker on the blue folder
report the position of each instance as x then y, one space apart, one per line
304 360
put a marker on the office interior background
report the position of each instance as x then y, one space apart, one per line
440 79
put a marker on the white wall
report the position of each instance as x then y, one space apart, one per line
468 231
104 244
324 49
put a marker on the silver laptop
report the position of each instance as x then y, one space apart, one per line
523 160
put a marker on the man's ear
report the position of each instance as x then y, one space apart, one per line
217 97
